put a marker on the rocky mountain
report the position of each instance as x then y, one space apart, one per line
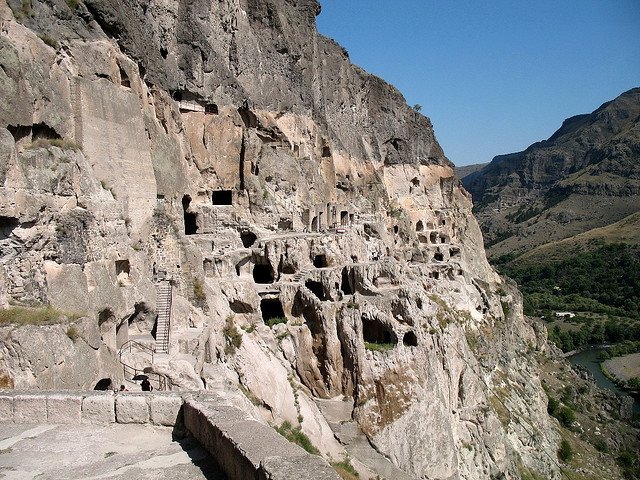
466 170
215 180
585 176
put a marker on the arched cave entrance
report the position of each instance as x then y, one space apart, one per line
314 224
410 340
104 384
374 331
190 218
419 226
438 257
320 261
262 273
272 311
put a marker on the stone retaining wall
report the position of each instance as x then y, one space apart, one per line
243 447
247 449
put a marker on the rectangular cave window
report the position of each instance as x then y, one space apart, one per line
122 267
222 197
326 152
344 217
272 311
211 109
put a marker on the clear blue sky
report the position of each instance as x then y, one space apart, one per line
493 76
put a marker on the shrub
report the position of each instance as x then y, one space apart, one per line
73 333
73 4
565 452
565 416
232 335
295 435
345 470
276 320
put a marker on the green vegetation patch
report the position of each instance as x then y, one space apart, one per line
379 347
54 142
232 336
276 321
605 280
295 435
345 470
46 315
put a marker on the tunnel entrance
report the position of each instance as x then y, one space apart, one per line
410 339
262 274
190 218
104 384
222 197
272 311
320 261
374 331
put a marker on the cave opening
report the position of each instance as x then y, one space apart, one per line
410 340
344 217
316 288
104 384
271 309
326 152
262 274
433 237
124 79
396 229
7 225
211 109
438 257
419 226
190 218
314 224
374 331
222 197
320 261
238 306
248 239
345 286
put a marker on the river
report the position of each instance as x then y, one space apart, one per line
589 359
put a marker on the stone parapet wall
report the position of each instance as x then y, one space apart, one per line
73 407
247 449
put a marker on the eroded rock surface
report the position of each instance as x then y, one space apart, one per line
317 241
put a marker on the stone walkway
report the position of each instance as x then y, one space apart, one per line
91 452
338 415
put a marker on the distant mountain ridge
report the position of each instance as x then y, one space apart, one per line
585 176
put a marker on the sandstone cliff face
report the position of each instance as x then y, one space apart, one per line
228 147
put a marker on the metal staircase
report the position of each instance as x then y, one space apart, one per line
163 307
